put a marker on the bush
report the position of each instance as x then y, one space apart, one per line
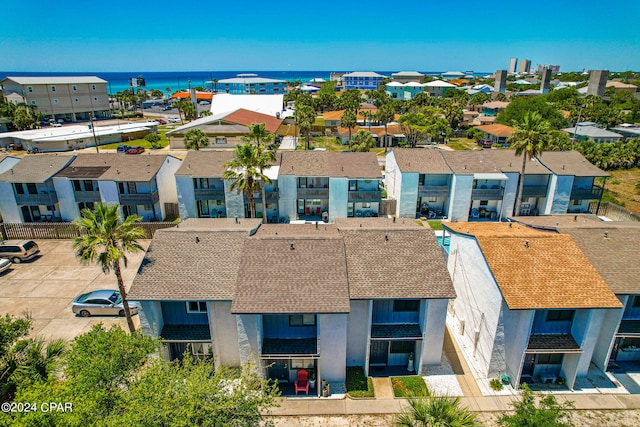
495 384
357 384
409 386
152 137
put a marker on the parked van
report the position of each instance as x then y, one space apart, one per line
19 250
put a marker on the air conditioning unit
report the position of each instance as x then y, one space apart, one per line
461 326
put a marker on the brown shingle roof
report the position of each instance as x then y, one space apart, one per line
470 162
615 255
395 263
329 164
569 163
377 224
116 167
333 115
507 161
538 270
426 160
205 163
496 129
310 278
36 168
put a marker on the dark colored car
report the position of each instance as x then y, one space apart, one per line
167 107
485 143
161 121
122 148
102 302
135 150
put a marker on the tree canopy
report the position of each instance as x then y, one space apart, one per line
546 413
362 141
518 107
195 139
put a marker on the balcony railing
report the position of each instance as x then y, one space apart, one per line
46 199
313 193
593 193
139 198
209 193
365 196
87 196
271 196
433 190
487 194
534 191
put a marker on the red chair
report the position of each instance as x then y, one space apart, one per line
318 210
308 211
302 382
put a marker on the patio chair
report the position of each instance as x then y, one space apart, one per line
302 382
475 214
318 210
308 211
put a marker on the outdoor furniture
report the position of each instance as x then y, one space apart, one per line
318 210
548 378
475 214
302 382
307 211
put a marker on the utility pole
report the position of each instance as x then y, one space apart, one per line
93 130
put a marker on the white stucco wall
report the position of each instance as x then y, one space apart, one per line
509 197
516 327
604 344
569 368
333 347
561 194
8 204
186 197
478 301
66 199
224 333
433 333
166 181
234 201
391 176
358 331
151 320
287 204
460 202
587 328
248 329
408 195
109 191
338 197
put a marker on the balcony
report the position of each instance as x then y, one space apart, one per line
44 199
290 346
433 190
313 193
552 343
629 327
271 196
87 196
209 193
139 198
365 196
487 194
593 193
534 191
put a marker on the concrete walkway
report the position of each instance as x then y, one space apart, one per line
383 388
463 373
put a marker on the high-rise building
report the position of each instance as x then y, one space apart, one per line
546 78
501 81
597 82
555 69
525 66
513 65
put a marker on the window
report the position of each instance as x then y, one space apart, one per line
74 88
636 302
353 185
88 185
406 305
148 207
196 306
366 205
576 202
19 188
53 88
402 347
433 199
29 89
549 359
204 183
87 205
302 182
302 363
221 140
201 349
484 202
302 320
560 315
76 185
32 189
349 209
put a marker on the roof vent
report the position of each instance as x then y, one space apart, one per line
606 234
197 239
386 237
394 219
237 220
360 225
526 243
562 167
291 246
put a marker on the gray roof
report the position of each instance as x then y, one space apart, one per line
329 164
205 163
63 80
395 263
115 166
592 132
311 277
471 162
36 168
569 163
427 160
363 74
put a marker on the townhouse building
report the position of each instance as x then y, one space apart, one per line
530 306
71 98
248 83
363 80
298 296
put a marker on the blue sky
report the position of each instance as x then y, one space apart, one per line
343 35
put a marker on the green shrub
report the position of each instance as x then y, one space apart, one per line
357 384
495 384
409 386
152 137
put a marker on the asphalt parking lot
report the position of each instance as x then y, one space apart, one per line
46 286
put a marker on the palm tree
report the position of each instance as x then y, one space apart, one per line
105 240
362 141
529 138
244 171
386 114
305 116
265 156
349 120
195 139
444 411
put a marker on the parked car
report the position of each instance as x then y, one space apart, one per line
5 263
485 143
173 120
122 148
19 250
167 107
161 121
103 302
135 150
204 103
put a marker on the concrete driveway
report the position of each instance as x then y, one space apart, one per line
46 286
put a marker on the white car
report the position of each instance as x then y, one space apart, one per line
4 264
173 120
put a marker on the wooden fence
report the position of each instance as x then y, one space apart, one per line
387 207
64 230
613 212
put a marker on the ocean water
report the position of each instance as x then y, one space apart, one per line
181 80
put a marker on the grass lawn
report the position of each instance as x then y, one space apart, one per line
328 143
435 224
408 386
164 141
462 144
623 187
357 384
